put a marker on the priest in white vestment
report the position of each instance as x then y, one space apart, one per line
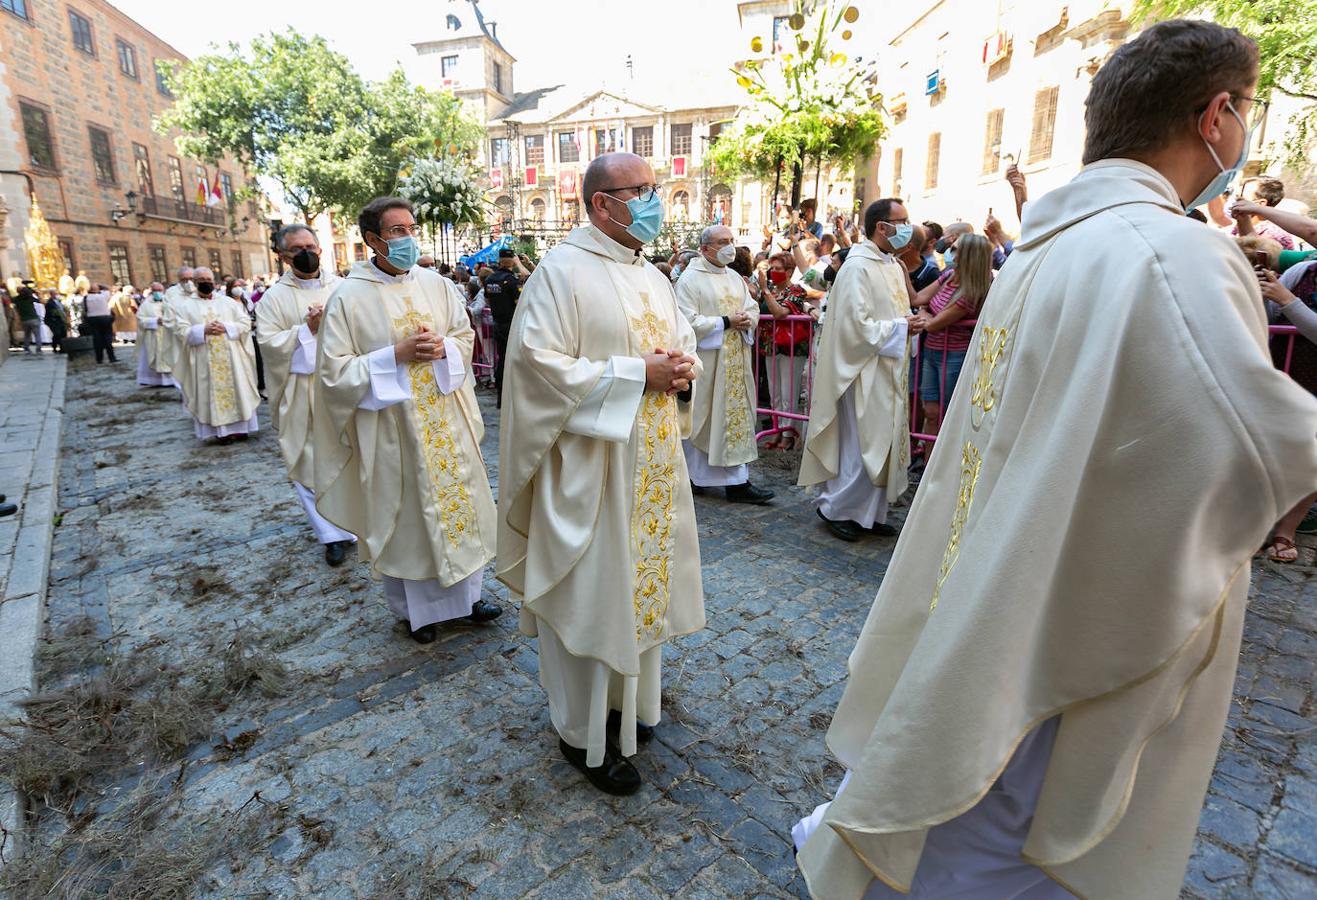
1036 699
597 534
858 442
215 367
397 430
151 370
287 320
719 308
183 289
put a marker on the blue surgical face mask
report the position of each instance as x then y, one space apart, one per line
902 236
403 252
949 257
646 217
158 295
1223 179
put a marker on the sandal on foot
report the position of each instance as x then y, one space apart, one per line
1282 550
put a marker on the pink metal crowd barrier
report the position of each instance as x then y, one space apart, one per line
788 387
1290 333
484 358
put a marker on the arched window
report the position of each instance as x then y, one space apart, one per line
504 206
454 23
681 203
537 210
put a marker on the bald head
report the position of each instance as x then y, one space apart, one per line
609 182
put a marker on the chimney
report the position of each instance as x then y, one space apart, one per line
493 29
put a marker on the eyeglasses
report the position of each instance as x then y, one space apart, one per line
1257 111
398 231
643 192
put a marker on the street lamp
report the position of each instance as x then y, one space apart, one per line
119 212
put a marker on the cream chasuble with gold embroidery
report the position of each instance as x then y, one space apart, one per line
597 533
864 353
216 372
289 350
722 408
169 349
397 447
1078 554
151 369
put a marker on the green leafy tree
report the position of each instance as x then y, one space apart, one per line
1286 32
293 110
807 101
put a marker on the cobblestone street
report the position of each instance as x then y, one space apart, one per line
383 768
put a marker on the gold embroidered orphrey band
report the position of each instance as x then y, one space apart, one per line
983 398
440 447
651 516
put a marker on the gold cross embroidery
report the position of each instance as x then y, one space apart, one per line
992 343
411 320
648 327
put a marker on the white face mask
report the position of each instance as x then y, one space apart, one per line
726 255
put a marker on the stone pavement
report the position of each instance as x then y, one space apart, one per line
31 407
390 769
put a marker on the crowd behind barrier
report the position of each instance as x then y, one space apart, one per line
784 356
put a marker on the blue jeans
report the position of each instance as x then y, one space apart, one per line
931 373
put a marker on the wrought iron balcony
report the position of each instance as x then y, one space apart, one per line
182 211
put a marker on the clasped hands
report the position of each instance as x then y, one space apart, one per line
917 323
422 346
313 316
669 371
215 327
741 321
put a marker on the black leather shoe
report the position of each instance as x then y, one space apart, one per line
615 776
482 611
336 552
847 531
644 733
748 493
3 498
882 529
425 634
7 509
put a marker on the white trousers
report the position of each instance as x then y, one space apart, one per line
976 855
424 603
704 475
326 531
786 379
851 495
145 374
582 691
204 431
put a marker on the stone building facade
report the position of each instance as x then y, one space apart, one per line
80 84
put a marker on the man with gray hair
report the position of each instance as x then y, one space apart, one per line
718 306
287 321
216 366
181 290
